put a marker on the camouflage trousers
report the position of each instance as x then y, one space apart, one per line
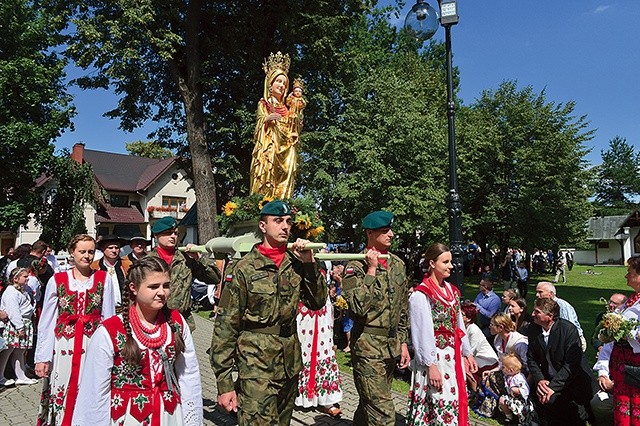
191 322
373 379
266 402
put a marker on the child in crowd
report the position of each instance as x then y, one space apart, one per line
514 404
141 365
19 305
73 304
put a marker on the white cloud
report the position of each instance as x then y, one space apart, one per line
601 8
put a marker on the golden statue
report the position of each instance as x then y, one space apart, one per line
275 157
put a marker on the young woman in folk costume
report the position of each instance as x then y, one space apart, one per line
141 365
73 304
442 351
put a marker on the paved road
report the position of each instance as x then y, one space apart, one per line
19 405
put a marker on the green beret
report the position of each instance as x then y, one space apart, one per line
377 220
164 224
276 208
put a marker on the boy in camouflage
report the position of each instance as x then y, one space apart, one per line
376 291
184 267
255 325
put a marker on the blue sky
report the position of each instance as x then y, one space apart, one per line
581 50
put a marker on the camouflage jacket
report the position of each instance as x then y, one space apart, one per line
378 305
183 270
256 295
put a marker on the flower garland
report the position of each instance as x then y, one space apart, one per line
306 220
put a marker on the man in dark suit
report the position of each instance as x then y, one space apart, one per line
562 387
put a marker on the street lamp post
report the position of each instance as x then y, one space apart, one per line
422 22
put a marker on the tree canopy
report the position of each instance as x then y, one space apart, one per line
148 149
34 106
523 175
617 180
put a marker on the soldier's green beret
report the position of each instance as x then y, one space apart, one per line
378 219
276 208
164 224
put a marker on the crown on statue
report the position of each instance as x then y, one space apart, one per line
277 61
298 82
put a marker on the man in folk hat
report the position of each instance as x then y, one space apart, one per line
138 245
184 267
110 261
376 291
256 323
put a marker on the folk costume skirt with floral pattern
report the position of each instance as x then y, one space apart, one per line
626 398
427 407
13 338
315 332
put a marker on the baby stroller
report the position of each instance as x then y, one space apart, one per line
202 296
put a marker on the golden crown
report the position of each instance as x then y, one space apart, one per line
298 82
277 61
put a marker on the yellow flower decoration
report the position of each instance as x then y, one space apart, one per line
264 201
316 231
229 208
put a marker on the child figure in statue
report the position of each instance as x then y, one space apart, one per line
296 104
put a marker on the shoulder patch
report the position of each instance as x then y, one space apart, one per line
348 271
228 278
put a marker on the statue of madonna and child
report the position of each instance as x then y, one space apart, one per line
279 122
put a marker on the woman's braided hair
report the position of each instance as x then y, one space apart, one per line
137 273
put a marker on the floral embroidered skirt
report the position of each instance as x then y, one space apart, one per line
327 390
428 407
53 402
626 398
13 338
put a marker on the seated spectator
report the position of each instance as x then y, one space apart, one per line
508 296
507 339
615 301
546 290
519 315
483 353
562 386
602 401
488 304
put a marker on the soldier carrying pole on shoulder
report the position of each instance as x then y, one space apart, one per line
376 291
255 325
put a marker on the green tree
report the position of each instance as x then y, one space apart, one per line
385 145
34 107
523 175
617 178
148 149
62 214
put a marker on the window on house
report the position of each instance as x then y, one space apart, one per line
603 244
177 203
118 200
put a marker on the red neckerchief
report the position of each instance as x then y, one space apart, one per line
166 254
274 253
383 262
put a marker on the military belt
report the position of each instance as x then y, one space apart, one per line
379 331
280 330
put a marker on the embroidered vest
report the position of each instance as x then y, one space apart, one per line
445 317
135 384
74 306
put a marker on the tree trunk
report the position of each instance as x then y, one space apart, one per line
191 91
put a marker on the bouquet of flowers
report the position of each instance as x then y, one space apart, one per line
306 220
615 327
341 303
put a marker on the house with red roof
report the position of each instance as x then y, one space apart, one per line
134 192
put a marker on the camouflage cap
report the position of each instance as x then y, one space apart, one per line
378 219
164 224
276 208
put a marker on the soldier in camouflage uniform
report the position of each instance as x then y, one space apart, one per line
377 292
184 267
256 323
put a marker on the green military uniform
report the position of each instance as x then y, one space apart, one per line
183 270
255 327
378 306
